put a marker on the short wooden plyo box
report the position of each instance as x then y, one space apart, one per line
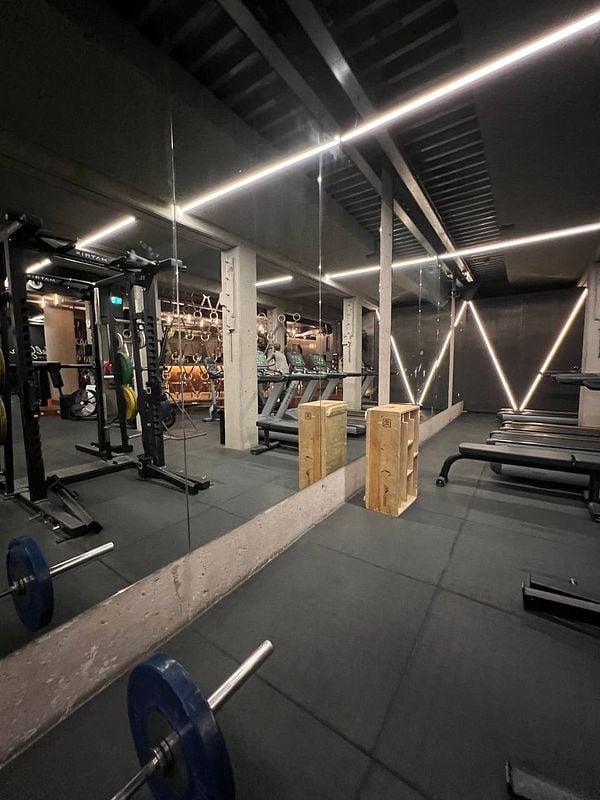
392 457
321 439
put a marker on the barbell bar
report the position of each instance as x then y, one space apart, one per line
179 744
30 578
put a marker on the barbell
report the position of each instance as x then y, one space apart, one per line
31 580
181 750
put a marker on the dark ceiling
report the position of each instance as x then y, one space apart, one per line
499 161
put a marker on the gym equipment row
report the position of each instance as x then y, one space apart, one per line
127 279
180 747
562 449
276 419
31 580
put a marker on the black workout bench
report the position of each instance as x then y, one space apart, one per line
580 462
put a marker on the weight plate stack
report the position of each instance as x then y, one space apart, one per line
131 408
126 368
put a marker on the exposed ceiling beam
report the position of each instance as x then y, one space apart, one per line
262 40
322 39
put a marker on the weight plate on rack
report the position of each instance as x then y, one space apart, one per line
126 368
131 407
162 700
3 423
2 370
35 604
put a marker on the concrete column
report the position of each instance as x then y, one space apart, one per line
385 289
277 327
238 300
589 402
352 350
59 332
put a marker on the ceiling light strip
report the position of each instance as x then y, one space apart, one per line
557 343
475 75
505 244
493 356
258 175
442 353
468 78
274 281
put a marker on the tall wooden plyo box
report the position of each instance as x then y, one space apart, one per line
392 457
321 439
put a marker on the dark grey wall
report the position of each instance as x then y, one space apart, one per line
522 329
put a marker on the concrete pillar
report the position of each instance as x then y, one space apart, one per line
589 402
385 289
238 300
352 350
277 327
59 332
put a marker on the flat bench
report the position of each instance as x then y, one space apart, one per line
575 461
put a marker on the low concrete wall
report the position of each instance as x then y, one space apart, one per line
45 681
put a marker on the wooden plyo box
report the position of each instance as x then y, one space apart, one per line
392 457
321 439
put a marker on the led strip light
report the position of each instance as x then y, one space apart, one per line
468 78
442 353
505 244
493 356
554 349
399 363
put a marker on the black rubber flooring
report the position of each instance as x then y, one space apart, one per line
404 664
147 520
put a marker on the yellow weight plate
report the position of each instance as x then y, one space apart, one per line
130 403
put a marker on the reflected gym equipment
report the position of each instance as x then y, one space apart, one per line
30 579
178 742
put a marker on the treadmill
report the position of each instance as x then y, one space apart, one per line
354 427
275 421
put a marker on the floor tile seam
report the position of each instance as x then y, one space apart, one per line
416 643
342 553
127 581
310 713
531 534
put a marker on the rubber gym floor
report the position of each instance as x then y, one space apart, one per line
147 520
404 664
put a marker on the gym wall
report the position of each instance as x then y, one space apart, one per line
522 329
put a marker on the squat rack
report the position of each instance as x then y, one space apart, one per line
49 496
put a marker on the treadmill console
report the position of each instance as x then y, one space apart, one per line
296 362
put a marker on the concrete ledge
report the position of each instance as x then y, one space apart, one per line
45 681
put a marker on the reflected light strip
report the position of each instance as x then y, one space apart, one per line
273 281
258 175
505 244
479 73
440 357
468 78
399 363
493 356
92 238
554 349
